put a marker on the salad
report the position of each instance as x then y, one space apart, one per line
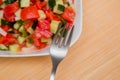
32 23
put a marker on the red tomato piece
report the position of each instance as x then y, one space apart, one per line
51 16
42 33
11 8
69 14
37 32
9 11
28 25
8 39
9 17
44 24
6 28
29 13
33 1
46 33
40 5
39 44
0 2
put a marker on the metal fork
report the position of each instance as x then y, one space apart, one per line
59 48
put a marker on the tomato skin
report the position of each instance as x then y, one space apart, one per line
69 14
28 25
44 24
39 44
8 39
29 13
40 5
1 2
6 28
9 11
42 33
51 16
11 8
37 33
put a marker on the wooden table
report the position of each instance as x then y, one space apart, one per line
95 56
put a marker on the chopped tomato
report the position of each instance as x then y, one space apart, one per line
50 15
44 24
9 11
29 13
40 5
69 26
33 1
8 39
6 28
28 24
11 8
9 17
39 44
0 2
42 33
69 14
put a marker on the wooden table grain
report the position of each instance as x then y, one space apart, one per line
95 56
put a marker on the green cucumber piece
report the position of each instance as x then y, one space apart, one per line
14 48
51 3
17 25
3 5
46 40
21 39
54 26
23 31
3 47
61 7
24 3
4 22
10 31
9 1
30 30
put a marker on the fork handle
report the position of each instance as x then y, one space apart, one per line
53 73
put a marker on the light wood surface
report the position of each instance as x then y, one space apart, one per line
95 56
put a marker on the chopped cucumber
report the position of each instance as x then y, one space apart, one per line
46 40
30 30
34 25
4 22
3 47
28 44
41 14
14 48
23 31
54 26
24 3
59 9
52 3
59 2
11 31
21 39
3 5
17 25
9 1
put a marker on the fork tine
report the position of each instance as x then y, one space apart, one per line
68 41
56 34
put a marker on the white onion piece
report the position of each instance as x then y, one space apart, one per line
2 32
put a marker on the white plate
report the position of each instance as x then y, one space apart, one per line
45 52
